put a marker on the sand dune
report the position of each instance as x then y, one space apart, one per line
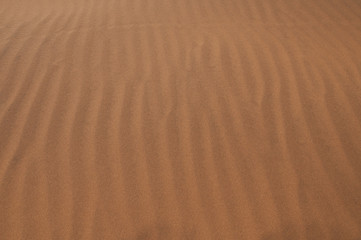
160 119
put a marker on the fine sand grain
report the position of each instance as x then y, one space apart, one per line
191 119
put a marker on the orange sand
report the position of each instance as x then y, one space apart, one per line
193 119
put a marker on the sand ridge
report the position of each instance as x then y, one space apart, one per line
159 119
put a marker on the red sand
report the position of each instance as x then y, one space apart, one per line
194 119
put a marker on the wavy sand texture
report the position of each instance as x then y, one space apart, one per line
193 119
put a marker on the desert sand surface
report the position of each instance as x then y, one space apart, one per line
192 119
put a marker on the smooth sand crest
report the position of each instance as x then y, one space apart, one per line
159 119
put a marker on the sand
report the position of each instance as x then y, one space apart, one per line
193 119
